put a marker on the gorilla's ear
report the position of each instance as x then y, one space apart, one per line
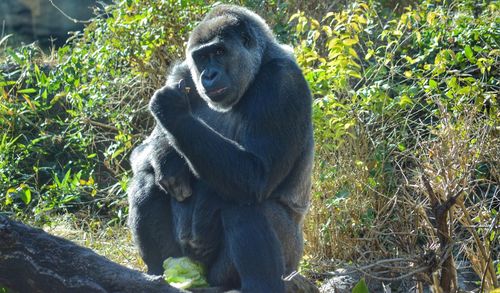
246 40
248 34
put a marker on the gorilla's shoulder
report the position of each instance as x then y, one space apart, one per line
283 70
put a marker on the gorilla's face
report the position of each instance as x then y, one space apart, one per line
223 67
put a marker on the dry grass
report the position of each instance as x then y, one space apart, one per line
112 241
351 220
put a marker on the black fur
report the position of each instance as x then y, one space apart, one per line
237 151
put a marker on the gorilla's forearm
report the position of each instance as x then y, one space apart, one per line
237 174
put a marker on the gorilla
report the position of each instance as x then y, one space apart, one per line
224 178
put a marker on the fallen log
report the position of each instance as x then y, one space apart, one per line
32 260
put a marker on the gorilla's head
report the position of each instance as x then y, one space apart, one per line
225 52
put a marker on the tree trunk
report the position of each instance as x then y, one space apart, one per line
32 260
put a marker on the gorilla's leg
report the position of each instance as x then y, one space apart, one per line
222 272
254 249
182 215
197 223
207 236
150 221
288 227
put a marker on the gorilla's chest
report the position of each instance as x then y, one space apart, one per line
229 124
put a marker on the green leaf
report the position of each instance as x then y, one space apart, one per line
360 287
432 84
405 100
468 53
6 83
27 91
26 196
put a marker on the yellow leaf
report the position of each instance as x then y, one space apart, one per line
431 16
327 30
316 35
408 74
328 15
29 102
369 54
349 42
361 19
314 23
355 27
296 15
364 6
353 53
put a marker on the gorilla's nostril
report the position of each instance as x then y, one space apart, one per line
209 76
212 75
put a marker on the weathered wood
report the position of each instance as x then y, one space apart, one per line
32 260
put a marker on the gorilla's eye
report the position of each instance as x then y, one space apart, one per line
219 51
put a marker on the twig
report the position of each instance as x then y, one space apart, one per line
364 269
102 125
486 267
411 273
489 265
67 16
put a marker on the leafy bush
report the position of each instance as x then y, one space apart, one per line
70 119
399 97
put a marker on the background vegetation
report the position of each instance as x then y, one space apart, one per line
406 177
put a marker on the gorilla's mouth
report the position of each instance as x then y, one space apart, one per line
216 92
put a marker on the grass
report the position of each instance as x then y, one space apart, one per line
113 241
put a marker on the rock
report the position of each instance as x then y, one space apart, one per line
342 283
31 20
345 280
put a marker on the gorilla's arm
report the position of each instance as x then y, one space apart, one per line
276 118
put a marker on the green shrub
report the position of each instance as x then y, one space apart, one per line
395 95
70 119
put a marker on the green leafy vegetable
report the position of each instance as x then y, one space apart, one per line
184 273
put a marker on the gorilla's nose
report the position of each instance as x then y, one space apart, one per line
209 78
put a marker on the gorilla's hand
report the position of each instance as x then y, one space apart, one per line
175 181
168 104
171 172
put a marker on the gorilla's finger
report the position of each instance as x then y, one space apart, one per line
185 191
181 85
